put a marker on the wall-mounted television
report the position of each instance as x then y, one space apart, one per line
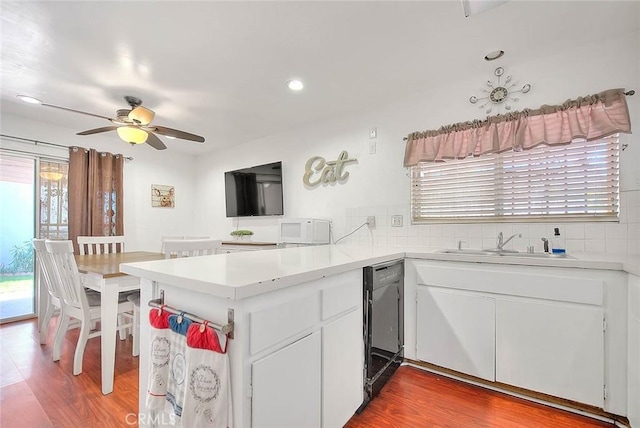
254 191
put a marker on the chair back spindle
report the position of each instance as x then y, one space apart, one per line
100 244
191 248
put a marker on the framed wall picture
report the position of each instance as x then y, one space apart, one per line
163 196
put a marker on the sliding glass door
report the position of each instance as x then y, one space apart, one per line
32 205
17 220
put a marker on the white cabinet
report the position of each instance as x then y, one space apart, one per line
456 330
633 387
308 371
287 385
342 369
537 328
550 347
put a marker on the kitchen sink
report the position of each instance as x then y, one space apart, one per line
504 253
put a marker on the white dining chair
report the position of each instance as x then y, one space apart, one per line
43 264
191 248
100 244
178 238
76 303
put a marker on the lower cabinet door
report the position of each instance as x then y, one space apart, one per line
287 386
342 366
553 348
457 331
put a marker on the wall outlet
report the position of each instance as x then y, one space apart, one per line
396 221
372 147
371 221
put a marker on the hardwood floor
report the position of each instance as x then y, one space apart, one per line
416 398
37 393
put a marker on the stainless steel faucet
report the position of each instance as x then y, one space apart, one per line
502 243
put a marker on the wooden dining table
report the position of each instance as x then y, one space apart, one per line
101 272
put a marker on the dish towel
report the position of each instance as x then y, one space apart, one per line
178 326
208 399
158 359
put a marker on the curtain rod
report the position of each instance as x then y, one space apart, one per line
628 93
36 142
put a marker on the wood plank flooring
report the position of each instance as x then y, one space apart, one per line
38 393
416 398
35 392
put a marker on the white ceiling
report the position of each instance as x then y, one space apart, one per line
219 69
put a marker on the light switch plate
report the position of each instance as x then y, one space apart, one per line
396 221
373 133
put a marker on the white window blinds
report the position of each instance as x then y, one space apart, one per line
570 182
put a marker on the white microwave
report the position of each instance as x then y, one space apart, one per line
304 231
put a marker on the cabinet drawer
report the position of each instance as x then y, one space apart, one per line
550 283
341 298
277 323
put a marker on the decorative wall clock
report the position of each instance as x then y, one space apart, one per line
499 93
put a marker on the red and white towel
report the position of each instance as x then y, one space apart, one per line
207 401
158 359
178 326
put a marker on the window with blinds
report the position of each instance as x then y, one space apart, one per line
577 181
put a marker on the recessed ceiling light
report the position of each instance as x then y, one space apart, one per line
295 85
29 100
493 55
171 137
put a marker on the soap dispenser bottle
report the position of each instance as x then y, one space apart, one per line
557 242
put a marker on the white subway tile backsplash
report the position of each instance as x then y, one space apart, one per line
574 231
474 230
473 243
595 231
575 245
616 231
614 238
594 245
489 231
616 246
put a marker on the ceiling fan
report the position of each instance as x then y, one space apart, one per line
133 125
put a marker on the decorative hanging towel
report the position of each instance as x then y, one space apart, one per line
178 326
208 397
158 359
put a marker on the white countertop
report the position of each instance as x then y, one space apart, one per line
240 275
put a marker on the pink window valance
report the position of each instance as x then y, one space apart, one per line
591 117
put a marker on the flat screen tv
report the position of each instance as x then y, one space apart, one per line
254 191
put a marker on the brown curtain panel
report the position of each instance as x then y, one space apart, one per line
95 194
591 117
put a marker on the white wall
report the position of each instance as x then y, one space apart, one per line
633 396
143 225
378 183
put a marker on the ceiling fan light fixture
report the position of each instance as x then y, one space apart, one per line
132 135
141 115
28 99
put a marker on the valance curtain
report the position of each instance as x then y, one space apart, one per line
95 194
590 117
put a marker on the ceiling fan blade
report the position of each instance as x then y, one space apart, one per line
98 130
76 111
155 142
169 132
141 115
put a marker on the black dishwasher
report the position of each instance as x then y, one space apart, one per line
383 326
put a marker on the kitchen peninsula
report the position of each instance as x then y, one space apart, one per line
297 354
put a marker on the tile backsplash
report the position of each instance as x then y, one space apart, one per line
621 238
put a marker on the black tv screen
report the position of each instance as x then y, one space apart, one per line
254 191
